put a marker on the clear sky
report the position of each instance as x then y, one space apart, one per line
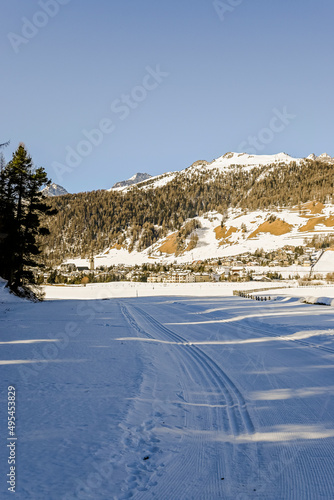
167 82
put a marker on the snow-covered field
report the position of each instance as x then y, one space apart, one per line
136 289
168 397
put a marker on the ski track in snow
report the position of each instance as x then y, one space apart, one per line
225 410
219 407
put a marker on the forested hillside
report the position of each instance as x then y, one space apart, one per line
90 222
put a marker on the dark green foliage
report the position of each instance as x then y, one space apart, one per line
21 207
53 277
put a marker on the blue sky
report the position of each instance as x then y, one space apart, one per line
73 66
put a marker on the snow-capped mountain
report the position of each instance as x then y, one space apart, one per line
221 164
54 190
135 179
323 157
247 160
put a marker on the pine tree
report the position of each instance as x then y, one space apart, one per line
5 220
21 207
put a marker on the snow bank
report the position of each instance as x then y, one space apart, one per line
5 295
320 295
324 301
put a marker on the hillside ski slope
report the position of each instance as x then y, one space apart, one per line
244 231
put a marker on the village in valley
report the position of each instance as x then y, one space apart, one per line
286 263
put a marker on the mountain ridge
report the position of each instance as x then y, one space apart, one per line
135 179
222 163
54 190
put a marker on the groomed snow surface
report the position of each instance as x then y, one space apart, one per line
168 397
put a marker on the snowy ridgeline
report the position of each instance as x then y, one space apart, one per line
223 163
169 397
54 190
